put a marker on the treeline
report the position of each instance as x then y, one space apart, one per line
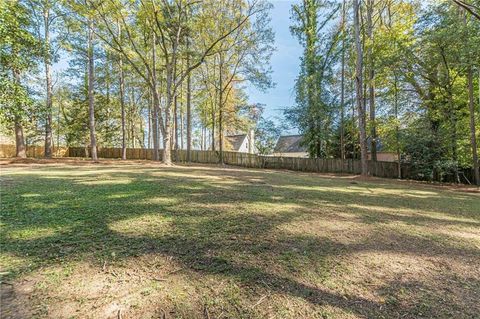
162 74
401 76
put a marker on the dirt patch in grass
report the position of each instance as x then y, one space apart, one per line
142 240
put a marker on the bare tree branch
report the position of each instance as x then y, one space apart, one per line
469 7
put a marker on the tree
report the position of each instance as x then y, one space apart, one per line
19 51
342 84
48 17
436 76
371 78
122 95
83 16
359 88
169 22
91 97
313 111
473 135
189 102
266 136
394 35
243 58
471 106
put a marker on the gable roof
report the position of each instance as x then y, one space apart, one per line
290 144
235 141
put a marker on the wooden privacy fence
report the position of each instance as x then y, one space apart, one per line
333 165
147 154
349 166
8 150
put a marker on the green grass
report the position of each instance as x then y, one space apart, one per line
148 241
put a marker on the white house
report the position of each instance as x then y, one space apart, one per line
244 143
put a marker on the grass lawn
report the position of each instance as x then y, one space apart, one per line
140 240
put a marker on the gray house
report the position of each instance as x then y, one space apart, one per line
290 146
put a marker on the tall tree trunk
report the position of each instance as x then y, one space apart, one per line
189 108
21 150
175 121
155 125
354 133
132 116
453 121
150 102
220 106
213 126
471 107
397 129
473 137
107 82
141 136
182 128
167 130
171 93
91 107
371 81
342 97
156 100
167 134
58 131
359 90
122 109
48 77
205 138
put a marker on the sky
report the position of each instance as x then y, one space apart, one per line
285 64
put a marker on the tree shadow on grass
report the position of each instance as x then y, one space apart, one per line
207 225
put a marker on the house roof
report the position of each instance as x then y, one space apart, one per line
235 141
290 144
